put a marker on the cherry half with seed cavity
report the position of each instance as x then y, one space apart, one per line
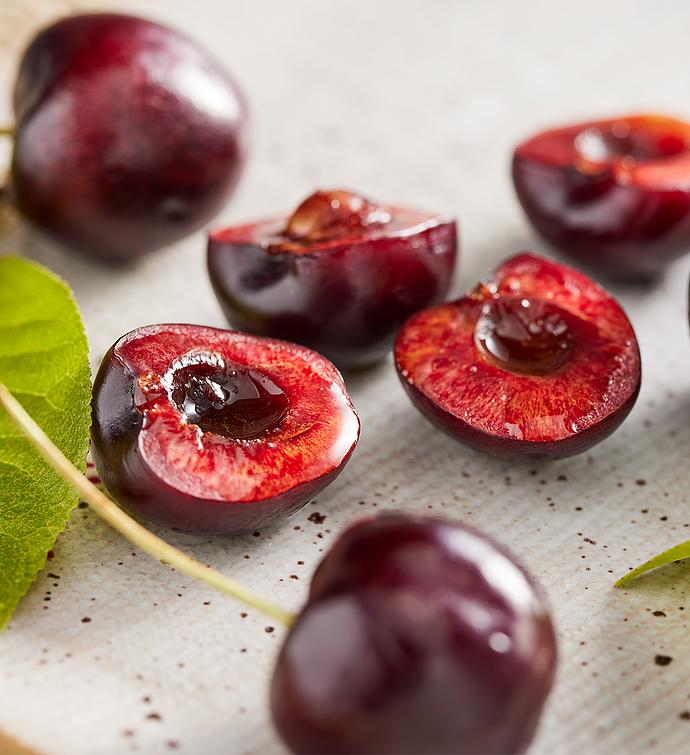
129 136
215 431
339 275
536 362
613 194
419 636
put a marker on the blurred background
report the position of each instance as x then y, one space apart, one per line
411 101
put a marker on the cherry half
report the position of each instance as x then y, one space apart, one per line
215 431
339 275
419 636
536 362
129 136
613 194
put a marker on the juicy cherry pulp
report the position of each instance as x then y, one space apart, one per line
334 214
620 141
231 401
524 335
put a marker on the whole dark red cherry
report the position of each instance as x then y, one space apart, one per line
613 194
536 362
215 431
419 636
129 136
340 275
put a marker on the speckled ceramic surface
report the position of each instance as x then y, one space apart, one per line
417 103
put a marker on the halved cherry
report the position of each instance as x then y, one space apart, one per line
614 194
339 275
537 361
215 431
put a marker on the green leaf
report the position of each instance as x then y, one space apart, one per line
44 362
669 556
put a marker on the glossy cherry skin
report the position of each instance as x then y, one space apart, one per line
341 282
537 362
215 431
419 636
129 136
613 194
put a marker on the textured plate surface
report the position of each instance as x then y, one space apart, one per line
417 103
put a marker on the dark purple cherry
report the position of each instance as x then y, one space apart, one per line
420 636
340 274
129 135
613 194
216 431
536 362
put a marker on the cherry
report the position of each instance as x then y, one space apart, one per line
613 194
419 636
537 362
339 275
129 136
215 431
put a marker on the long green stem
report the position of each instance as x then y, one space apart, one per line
125 525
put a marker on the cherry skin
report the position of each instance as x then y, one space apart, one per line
419 636
214 431
615 195
129 136
536 362
339 275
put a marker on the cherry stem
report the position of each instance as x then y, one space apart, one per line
109 511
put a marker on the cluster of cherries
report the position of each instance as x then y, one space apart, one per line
419 635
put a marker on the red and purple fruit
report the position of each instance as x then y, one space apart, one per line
536 362
614 194
129 136
420 636
340 275
215 431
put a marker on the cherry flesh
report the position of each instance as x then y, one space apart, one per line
537 362
420 636
339 275
613 194
214 431
129 136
